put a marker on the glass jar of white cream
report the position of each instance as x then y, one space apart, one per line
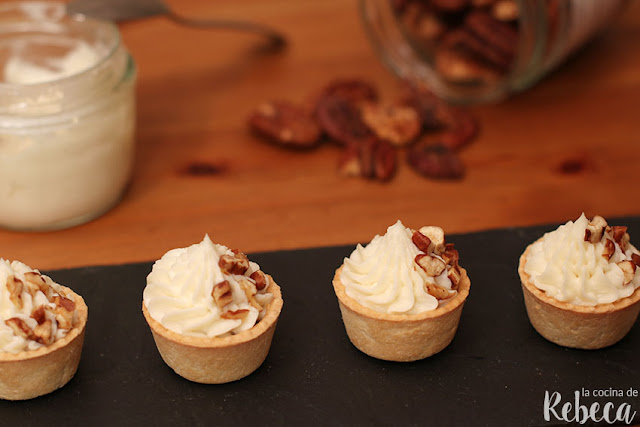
67 116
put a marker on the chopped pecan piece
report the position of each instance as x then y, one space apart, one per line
455 276
43 333
450 255
37 280
260 278
397 124
620 236
437 291
595 229
238 263
39 314
235 314
436 236
432 265
609 249
635 258
421 241
285 124
63 302
221 294
19 327
15 286
629 270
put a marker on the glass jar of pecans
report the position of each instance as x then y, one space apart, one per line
470 51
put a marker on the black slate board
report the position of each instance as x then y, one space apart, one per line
495 372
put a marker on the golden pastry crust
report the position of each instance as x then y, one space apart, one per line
30 374
577 326
218 360
401 337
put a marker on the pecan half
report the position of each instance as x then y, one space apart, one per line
609 249
459 67
421 241
260 278
435 161
221 294
340 118
460 126
286 124
635 258
19 327
396 124
432 265
370 158
15 286
238 263
493 32
436 291
628 269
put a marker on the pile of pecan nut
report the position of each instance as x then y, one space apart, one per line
373 134
598 230
436 258
237 265
42 332
469 41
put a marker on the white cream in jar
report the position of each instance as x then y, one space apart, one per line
67 117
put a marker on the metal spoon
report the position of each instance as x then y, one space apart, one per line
125 10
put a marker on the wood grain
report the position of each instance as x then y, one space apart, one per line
566 146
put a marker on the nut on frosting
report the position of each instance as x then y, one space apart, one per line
585 262
206 290
404 271
34 311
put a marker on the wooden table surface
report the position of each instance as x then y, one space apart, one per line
195 89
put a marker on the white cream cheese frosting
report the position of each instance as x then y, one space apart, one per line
179 292
9 340
384 276
573 270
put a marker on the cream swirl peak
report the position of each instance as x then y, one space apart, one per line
585 263
34 311
397 274
206 290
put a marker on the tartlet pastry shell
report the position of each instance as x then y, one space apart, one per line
30 374
218 360
401 337
577 326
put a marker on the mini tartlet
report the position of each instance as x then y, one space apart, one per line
580 284
211 311
402 295
41 333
